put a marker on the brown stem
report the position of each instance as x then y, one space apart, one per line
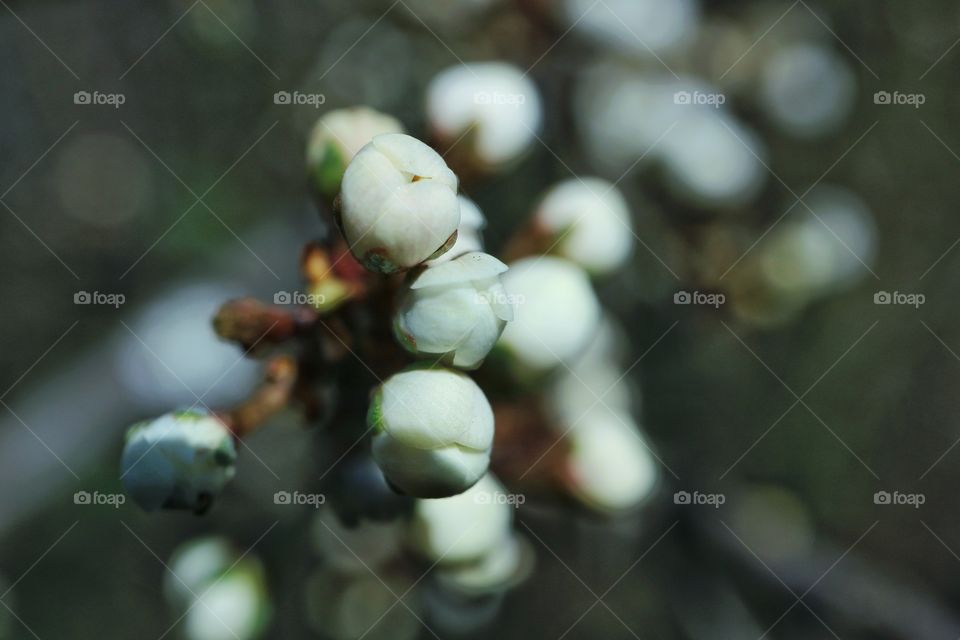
249 322
272 396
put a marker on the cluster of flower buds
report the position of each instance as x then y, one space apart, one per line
399 209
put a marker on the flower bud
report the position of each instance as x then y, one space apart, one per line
398 204
463 528
469 233
181 460
713 160
557 313
502 567
336 138
609 467
456 310
434 431
493 105
588 222
223 594
594 381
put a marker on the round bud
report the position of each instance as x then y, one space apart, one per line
456 310
557 313
494 105
181 460
433 431
589 222
609 467
464 528
398 204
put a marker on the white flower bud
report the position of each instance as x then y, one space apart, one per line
463 528
609 466
497 100
223 595
398 204
181 460
434 431
808 89
594 382
711 159
637 27
557 312
811 255
507 564
590 220
337 137
455 309
359 549
469 233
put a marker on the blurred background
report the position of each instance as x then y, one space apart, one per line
148 174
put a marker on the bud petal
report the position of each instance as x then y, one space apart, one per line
434 431
469 238
398 203
181 460
457 308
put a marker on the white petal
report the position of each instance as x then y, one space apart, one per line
468 267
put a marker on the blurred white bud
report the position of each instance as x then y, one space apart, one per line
809 255
808 89
433 431
337 137
181 460
503 566
222 594
608 99
469 233
593 382
557 312
636 27
456 309
590 220
712 159
497 100
609 467
398 204
362 605
463 528
357 549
